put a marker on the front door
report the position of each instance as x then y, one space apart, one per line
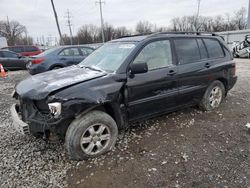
155 91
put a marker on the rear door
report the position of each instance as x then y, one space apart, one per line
193 69
155 91
69 56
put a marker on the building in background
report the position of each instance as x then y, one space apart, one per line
3 42
234 36
248 18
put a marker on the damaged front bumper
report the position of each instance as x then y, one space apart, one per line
18 124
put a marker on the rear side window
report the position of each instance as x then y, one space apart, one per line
214 48
70 52
203 51
86 51
187 50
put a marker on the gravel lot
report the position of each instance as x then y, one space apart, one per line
189 148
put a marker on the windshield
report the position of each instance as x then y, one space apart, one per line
109 57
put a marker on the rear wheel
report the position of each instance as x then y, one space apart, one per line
213 96
56 67
91 135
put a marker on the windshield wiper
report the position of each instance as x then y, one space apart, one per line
95 68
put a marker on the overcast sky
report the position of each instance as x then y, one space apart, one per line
37 15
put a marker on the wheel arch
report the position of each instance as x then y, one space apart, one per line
224 82
112 109
56 65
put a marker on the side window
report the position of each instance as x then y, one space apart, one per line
17 49
214 48
187 50
30 49
86 51
9 54
156 55
203 51
70 52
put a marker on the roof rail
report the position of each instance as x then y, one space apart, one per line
174 33
136 35
184 33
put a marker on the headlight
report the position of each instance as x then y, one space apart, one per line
55 109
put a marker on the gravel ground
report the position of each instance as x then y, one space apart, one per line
188 148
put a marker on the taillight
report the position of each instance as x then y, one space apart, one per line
234 70
37 61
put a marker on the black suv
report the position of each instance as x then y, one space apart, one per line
126 80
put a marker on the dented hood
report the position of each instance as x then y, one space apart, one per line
39 86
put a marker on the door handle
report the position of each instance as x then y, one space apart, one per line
172 72
207 65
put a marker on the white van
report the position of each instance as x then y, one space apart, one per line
3 42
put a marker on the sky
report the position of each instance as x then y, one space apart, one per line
38 17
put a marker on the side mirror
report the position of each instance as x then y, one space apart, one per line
138 68
19 56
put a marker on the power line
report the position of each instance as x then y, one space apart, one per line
69 24
100 2
57 23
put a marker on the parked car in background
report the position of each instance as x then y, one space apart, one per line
124 81
12 61
58 57
24 50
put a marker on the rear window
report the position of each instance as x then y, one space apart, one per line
187 50
214 48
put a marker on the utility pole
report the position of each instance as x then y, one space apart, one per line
69 24
57 23
100 2
197 16
198 10
248 18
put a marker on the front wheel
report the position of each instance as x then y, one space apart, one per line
213 96
91 135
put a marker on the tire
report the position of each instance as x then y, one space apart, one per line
91 135
56 67
213 96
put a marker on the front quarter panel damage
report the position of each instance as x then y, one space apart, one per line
83 97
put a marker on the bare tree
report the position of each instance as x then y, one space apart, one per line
143 27
211 24
24 40
89 34
121 31
239 19
12 31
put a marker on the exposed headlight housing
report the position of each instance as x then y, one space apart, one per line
55 109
